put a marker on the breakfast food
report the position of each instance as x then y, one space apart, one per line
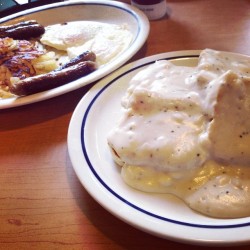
74 69
56 54
106 40
186 131
51 80
22 30
20 59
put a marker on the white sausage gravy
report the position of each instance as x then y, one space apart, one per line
186 131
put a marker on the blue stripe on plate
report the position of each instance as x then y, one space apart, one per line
109 189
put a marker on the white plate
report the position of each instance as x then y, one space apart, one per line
161 215
103 11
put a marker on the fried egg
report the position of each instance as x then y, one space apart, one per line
186 131
106 40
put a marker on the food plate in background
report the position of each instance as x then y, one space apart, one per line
112 12
161 215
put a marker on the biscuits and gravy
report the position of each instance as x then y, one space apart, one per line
186 131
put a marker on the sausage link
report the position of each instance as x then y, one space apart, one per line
13 26
85 56
52 79
23 30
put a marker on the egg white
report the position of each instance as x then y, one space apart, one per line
107 41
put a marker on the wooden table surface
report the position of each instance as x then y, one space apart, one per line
42 203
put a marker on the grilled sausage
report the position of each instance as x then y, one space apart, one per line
13 26
52 79
22 30
85 56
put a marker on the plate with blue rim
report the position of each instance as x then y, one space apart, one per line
162 215
112 12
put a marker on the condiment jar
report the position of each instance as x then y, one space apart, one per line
154 9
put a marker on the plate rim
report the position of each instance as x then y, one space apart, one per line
139 40
80 114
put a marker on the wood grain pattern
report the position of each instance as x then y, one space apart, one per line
42 203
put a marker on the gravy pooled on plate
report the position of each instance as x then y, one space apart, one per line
186 131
